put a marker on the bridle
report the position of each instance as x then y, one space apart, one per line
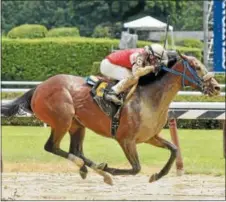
195 80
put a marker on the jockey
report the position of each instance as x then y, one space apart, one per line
127 66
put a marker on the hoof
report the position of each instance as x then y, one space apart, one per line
153 178
180 172
102 166
83 174
108 180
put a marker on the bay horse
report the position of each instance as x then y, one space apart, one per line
65 104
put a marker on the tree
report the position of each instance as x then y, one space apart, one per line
86 15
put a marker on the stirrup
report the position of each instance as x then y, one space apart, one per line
111 96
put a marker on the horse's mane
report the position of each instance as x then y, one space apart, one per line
151 78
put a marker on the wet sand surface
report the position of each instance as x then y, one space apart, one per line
70 186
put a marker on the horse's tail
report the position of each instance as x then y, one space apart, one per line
21 103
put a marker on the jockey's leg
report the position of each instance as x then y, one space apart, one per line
112 71
124 84
117 73
131 80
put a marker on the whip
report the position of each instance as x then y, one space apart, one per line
166 36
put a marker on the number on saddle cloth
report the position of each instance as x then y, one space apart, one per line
98 87
98 90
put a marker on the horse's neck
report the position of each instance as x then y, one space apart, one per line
162 92
171 86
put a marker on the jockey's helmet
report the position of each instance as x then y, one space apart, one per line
158 51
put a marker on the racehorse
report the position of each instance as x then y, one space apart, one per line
65 104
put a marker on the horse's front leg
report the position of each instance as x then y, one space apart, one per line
160 142
130 150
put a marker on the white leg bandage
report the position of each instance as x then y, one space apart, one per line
78 161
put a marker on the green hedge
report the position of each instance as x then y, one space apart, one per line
28 31
191 43
220 78
101 32
38 59
63 32
95 69
196 52
21 121
198 124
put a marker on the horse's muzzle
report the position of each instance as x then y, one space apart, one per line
211 87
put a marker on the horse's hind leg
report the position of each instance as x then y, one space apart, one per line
160 142
55 108
53 145
77 134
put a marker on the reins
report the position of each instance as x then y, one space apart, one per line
197 81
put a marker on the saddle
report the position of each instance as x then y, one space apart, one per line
100 88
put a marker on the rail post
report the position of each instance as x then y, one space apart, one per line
174 137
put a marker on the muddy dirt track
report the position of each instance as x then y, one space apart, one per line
69 186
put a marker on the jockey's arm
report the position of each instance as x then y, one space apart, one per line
139 69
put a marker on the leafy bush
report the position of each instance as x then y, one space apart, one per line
169 40
101 32
191 51
117 29
198 124
21 121
29 31
191 43
95 69
63 32
202 98
11 95
38 59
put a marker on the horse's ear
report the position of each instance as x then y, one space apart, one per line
184 57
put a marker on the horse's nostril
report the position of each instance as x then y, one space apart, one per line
217 88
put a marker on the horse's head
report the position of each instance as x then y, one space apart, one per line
196 75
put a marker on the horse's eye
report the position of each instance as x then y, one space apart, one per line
198 68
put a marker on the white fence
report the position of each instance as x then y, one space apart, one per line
20 82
